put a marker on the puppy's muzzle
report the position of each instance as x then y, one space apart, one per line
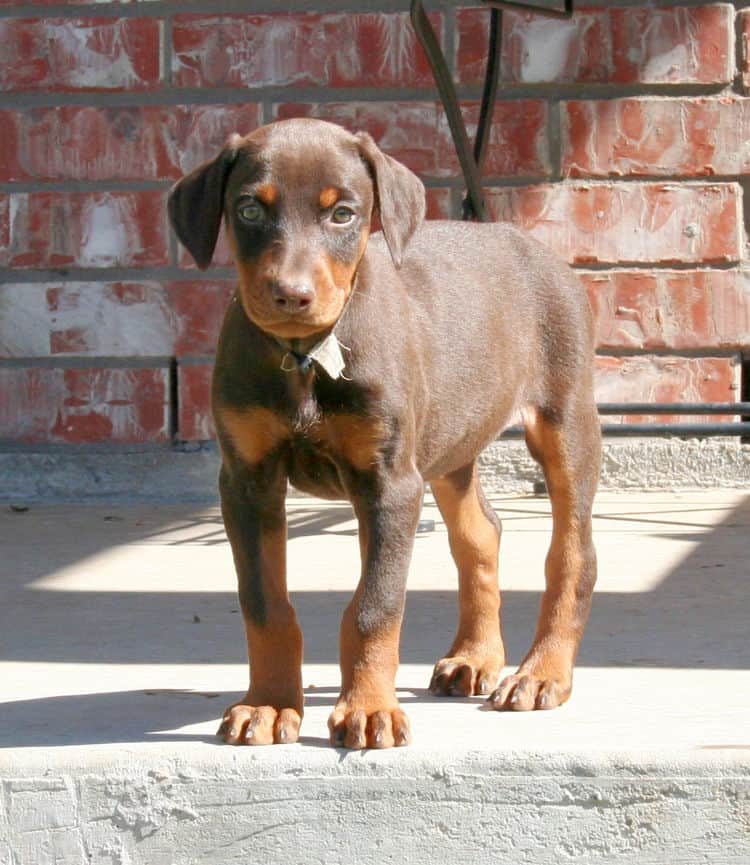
292 298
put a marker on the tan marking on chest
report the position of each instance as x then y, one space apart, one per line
358 439
255 432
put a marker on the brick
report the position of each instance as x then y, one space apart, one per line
674 45
417 133
198 309
744 29
131 143
439 204
300 50
670 45
195 422
79 54
670 309
112 319
649 378
78 406
88 229
118 319
628 222
691 137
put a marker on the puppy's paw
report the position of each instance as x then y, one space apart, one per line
355 727
522 693
465 675
259 725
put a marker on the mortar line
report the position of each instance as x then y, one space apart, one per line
491 182
156 9
161 96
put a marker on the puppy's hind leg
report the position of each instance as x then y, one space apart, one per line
567 443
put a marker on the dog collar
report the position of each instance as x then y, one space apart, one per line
327 354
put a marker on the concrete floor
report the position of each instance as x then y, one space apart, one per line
121 643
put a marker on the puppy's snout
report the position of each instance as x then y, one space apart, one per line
292 297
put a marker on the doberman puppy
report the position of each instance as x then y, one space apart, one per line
361 366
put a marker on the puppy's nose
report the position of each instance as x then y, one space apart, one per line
292 297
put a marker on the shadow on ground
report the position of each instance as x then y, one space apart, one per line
696 617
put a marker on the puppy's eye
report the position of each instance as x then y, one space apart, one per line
251 212
342 215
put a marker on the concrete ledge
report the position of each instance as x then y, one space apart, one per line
634 464
319 806
190 475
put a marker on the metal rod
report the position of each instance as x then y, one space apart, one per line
447 90
489 93
657 430
553 10
684 430
738 408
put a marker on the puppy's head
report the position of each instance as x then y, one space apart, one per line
297 198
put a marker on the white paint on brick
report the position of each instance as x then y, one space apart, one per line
96 65
397 47
669 65
29 405
546 49
24 327
108 326
105 240
18 211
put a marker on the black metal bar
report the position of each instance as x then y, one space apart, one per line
676 430
554 11
474 205
447 90
654 430
738 408
489 93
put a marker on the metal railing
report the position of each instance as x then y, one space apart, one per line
471 158
666 430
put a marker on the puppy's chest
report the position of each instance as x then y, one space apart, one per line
342 434
307 432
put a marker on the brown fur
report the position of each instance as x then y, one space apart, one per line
450 329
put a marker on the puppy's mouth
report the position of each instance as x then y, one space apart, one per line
294 305
275 319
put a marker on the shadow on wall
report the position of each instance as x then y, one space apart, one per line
696 617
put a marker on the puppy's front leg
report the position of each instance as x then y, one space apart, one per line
367 713
252 503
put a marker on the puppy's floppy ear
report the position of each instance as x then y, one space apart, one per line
196 203
400 196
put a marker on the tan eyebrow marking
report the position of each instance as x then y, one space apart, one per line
328 197
267 193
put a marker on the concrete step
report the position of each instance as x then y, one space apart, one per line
121 643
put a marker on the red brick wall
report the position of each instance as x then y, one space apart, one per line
621 139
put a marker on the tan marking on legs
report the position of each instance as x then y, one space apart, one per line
255 432
476 657
544 679
272 709
367 714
